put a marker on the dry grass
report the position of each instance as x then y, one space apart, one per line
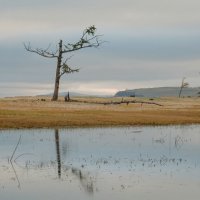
31 112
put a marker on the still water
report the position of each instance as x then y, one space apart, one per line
142 163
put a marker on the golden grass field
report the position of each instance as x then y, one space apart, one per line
31 112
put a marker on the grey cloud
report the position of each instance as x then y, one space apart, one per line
104 13
122 58
158 47
147 40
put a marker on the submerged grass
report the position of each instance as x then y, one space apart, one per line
33 113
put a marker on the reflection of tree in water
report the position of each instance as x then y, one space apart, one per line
57 142
63 171
85 180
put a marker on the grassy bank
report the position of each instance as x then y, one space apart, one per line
33 112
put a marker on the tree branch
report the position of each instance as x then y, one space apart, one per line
127 102
78 46
88 39
42 52
67 70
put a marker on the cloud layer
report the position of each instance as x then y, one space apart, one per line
149 43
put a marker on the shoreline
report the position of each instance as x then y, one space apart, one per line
99 127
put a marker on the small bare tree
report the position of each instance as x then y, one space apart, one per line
183 85
88 39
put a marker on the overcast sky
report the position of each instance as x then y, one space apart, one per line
150 43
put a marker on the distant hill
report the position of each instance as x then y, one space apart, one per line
62 94
159 92
74 94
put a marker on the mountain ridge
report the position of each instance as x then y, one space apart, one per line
159 92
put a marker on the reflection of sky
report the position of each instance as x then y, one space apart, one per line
140 148
109 143
143 37
122 162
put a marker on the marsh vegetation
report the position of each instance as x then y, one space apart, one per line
40 112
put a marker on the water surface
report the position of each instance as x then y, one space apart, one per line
143 163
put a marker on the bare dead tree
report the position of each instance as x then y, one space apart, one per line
88 39
183 85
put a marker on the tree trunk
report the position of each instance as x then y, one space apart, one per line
180 91
57 78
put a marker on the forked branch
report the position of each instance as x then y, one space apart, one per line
67 70
88 39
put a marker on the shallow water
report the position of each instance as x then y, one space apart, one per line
143 163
